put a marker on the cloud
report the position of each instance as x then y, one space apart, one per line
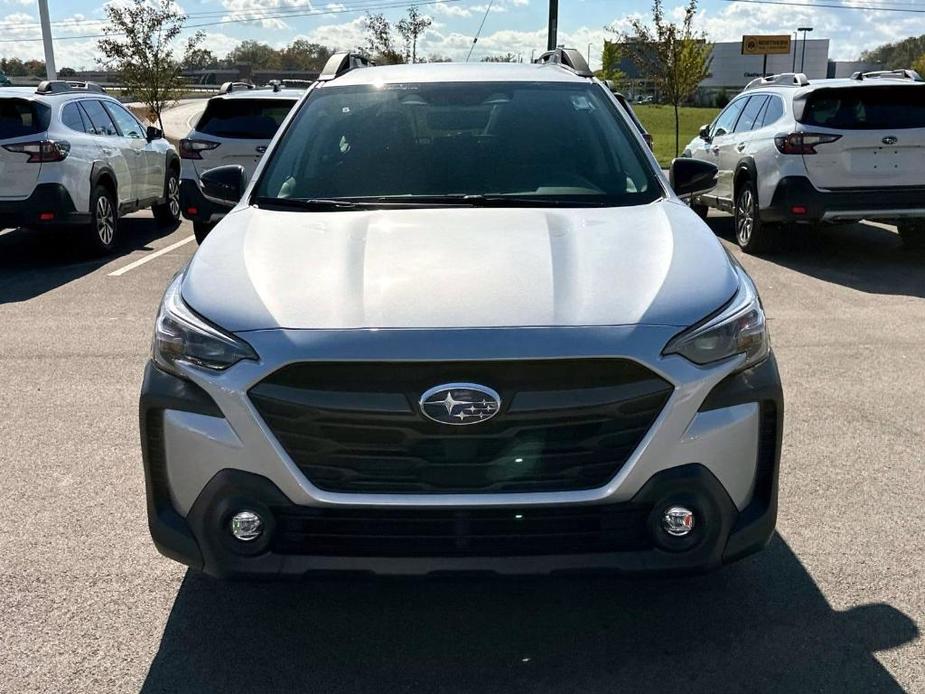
247 10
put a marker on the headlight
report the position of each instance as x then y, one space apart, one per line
182 337
740 328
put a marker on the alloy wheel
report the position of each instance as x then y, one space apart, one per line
105 221
745 217
173 196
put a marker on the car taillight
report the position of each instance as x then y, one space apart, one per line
802 143
191 149
41 150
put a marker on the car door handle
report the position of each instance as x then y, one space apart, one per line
261 148
740 147
715 149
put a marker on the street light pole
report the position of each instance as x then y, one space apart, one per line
805 31
553 25
796 37
50 71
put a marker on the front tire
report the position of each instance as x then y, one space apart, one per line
752 235
167 214
102 235
912 233
201 230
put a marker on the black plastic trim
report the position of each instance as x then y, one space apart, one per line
191 196
47 197
799 190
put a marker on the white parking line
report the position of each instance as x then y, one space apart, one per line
151 256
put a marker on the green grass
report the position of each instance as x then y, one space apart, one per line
659 121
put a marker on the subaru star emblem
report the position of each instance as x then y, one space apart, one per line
460 403
890 140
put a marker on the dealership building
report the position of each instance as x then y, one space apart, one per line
730 71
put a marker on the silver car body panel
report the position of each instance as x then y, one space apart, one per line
654 264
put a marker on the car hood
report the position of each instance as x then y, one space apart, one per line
655 264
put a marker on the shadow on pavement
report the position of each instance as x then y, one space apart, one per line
33 262
759 625
861 256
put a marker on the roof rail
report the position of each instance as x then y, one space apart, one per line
784 79
341 63
297 84
569 58
894 74
65 86
229 87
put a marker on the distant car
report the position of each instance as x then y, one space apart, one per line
795 151
70 155
645 99
625 105
5 81
235 128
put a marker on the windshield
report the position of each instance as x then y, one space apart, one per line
253 119
537 142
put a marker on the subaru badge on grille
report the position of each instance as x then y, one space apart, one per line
460 403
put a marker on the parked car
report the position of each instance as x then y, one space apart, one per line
460 321
235 128
794 151
70 155
5 81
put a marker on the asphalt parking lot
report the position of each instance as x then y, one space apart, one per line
836 603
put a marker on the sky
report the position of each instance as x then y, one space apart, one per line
517 26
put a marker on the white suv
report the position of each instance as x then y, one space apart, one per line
828 151
72 156
235 128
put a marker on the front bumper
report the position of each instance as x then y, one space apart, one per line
715 447
197 207
47 199
843 205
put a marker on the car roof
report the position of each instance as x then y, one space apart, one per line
262 93
30 93
839 82
457 72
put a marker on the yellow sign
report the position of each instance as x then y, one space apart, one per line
766 45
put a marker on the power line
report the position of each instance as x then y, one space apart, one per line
479 32
254 19
256 14
819 5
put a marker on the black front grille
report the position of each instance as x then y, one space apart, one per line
563 424
471 532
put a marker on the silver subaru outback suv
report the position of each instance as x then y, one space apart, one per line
460 321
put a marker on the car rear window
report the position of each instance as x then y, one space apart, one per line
255 119
867 108
21 117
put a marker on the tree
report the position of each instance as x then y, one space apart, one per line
894 56
66 72
506 58
674 56
410 28
258 55
919 65
139 44
200 59
379 40
610 62
304 55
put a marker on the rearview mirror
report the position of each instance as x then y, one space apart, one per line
153 133
692 177
224 184
705 133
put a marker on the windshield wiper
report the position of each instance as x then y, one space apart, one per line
490 200
318 204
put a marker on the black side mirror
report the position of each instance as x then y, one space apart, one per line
705 133
224 184
153 133
692 177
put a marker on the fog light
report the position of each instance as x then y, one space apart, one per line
246 526
678 521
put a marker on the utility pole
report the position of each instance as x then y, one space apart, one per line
50 71
805 31
553 25
796 37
